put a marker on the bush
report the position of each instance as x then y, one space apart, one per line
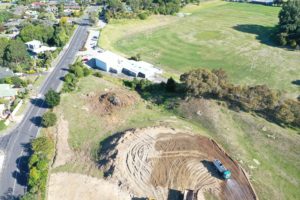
142 16
14 80
137 57
52 98
49 119
98 74
43 149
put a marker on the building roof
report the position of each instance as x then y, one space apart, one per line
5 72
34 43
7 91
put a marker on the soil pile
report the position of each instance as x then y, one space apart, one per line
108 103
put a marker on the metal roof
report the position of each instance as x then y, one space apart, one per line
7 91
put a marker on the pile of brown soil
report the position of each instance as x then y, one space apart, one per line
108 103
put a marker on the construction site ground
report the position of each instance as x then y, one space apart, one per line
153 162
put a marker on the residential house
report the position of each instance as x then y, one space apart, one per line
7 92
37 5
33 14
37 47
7 95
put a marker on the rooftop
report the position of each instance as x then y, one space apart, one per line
7 91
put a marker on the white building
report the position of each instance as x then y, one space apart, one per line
36 47
110 62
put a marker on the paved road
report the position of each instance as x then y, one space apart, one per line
13 178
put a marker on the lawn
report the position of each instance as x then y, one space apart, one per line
217 34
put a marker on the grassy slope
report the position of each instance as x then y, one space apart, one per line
232 36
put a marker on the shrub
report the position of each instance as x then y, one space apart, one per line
43 149
52 98
142 16
98 74
49 119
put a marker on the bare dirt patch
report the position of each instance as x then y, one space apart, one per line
151 162
71 186
109 102
63 151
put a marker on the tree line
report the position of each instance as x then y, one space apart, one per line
260 99
142 8
203 83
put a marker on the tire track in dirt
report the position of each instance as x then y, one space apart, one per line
148 162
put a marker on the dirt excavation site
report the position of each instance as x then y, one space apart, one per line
161 163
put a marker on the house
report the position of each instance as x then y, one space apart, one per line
7 92
31 14
36 47
5 72
37 5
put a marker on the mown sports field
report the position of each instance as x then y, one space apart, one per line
216 34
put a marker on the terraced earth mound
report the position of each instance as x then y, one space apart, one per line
151 162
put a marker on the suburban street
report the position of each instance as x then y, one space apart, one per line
13 178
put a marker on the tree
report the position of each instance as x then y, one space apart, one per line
16 56
49 119
5 15
60 37
52 98
289 23
171 85
3 44
36 32
200 82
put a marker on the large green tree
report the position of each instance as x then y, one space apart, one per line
52 98
289 23
37 32
16 56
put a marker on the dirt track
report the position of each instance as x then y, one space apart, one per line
149 162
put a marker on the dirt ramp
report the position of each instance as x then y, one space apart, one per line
151 162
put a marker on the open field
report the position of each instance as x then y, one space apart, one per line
217 34
268 152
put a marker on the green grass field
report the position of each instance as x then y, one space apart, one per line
217 34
